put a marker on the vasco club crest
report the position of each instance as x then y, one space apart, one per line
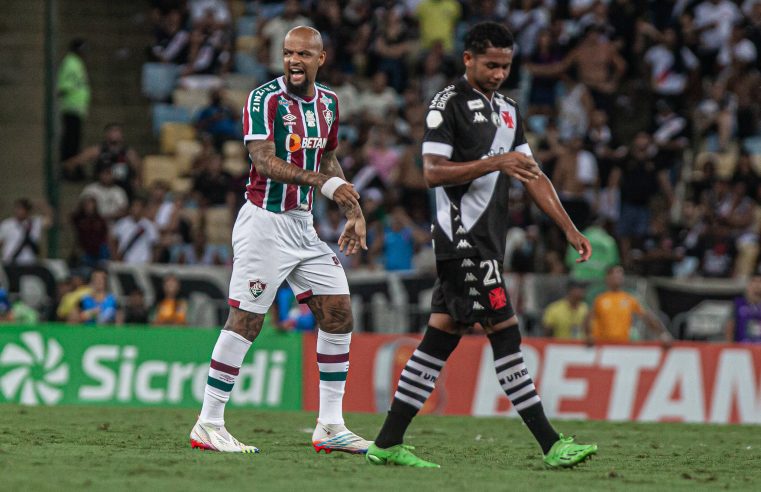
256 287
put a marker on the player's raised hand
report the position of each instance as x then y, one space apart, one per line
519 166
354 236
580 244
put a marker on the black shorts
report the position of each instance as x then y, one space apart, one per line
471 290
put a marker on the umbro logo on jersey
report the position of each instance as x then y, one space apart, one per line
460 230
311 119
467 262
475 104
463 244
469 277
477 306
473 292
479 118
289 119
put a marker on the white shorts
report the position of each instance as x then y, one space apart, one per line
269 248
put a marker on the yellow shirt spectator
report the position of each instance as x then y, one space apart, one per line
171 312
562 320
438 19
612 316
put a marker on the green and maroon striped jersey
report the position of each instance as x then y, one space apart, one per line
302 130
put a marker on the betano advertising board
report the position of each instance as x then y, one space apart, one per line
58 364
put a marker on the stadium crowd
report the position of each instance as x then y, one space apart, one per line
645 115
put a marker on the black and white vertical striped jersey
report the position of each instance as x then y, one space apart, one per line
463 125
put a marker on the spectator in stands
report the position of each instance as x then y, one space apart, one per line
575 107
743 79
378 100
671 66
671 138
73 88
330 228
600 66
200 252
91 231
610 319
274 31
212 185
576 180
20 235
113 153
638 180
216 10
5 306
172 40
713 21
209 55
526 20
218 120
397 240
744 326
99 307
135 237
172 309
288 314
543 87
78 288
659 252
437 20
745 173
605 253
564 318
135 312
392 46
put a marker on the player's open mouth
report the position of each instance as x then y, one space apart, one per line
297 75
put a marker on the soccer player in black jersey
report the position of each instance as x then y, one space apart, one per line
473 146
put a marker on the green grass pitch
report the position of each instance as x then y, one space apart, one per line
98 448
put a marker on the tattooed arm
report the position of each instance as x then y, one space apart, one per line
268 164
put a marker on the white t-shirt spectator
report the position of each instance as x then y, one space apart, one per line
724 15
274 32
743 51
665 79
136 239
527 26
12 234
377 105
219 9
110 200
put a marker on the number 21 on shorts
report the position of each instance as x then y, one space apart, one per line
493 275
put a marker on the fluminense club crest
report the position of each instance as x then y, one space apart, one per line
256 287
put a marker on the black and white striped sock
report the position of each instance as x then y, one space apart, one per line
416 383
515 380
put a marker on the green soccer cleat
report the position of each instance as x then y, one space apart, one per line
400 454
566 454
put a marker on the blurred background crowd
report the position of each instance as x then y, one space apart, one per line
644 113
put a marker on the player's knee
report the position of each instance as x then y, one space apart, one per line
338 321
245 324
507 339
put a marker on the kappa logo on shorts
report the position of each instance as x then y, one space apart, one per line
498 298
256 287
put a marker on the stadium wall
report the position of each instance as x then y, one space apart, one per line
136 366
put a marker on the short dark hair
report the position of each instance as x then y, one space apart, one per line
24 203
485 35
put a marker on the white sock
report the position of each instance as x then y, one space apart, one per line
333 363
226 359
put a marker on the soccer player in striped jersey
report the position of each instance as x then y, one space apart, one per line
473 146
290 126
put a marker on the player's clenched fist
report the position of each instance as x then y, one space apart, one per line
518 166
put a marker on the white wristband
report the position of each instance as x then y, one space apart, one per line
331 185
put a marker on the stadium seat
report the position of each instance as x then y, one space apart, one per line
246 64
182 185
235 166
158 80
171 133
191 99
159 168
165 113
218 225
185 153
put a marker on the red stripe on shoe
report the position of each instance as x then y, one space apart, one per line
327 359
220 366
304 296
